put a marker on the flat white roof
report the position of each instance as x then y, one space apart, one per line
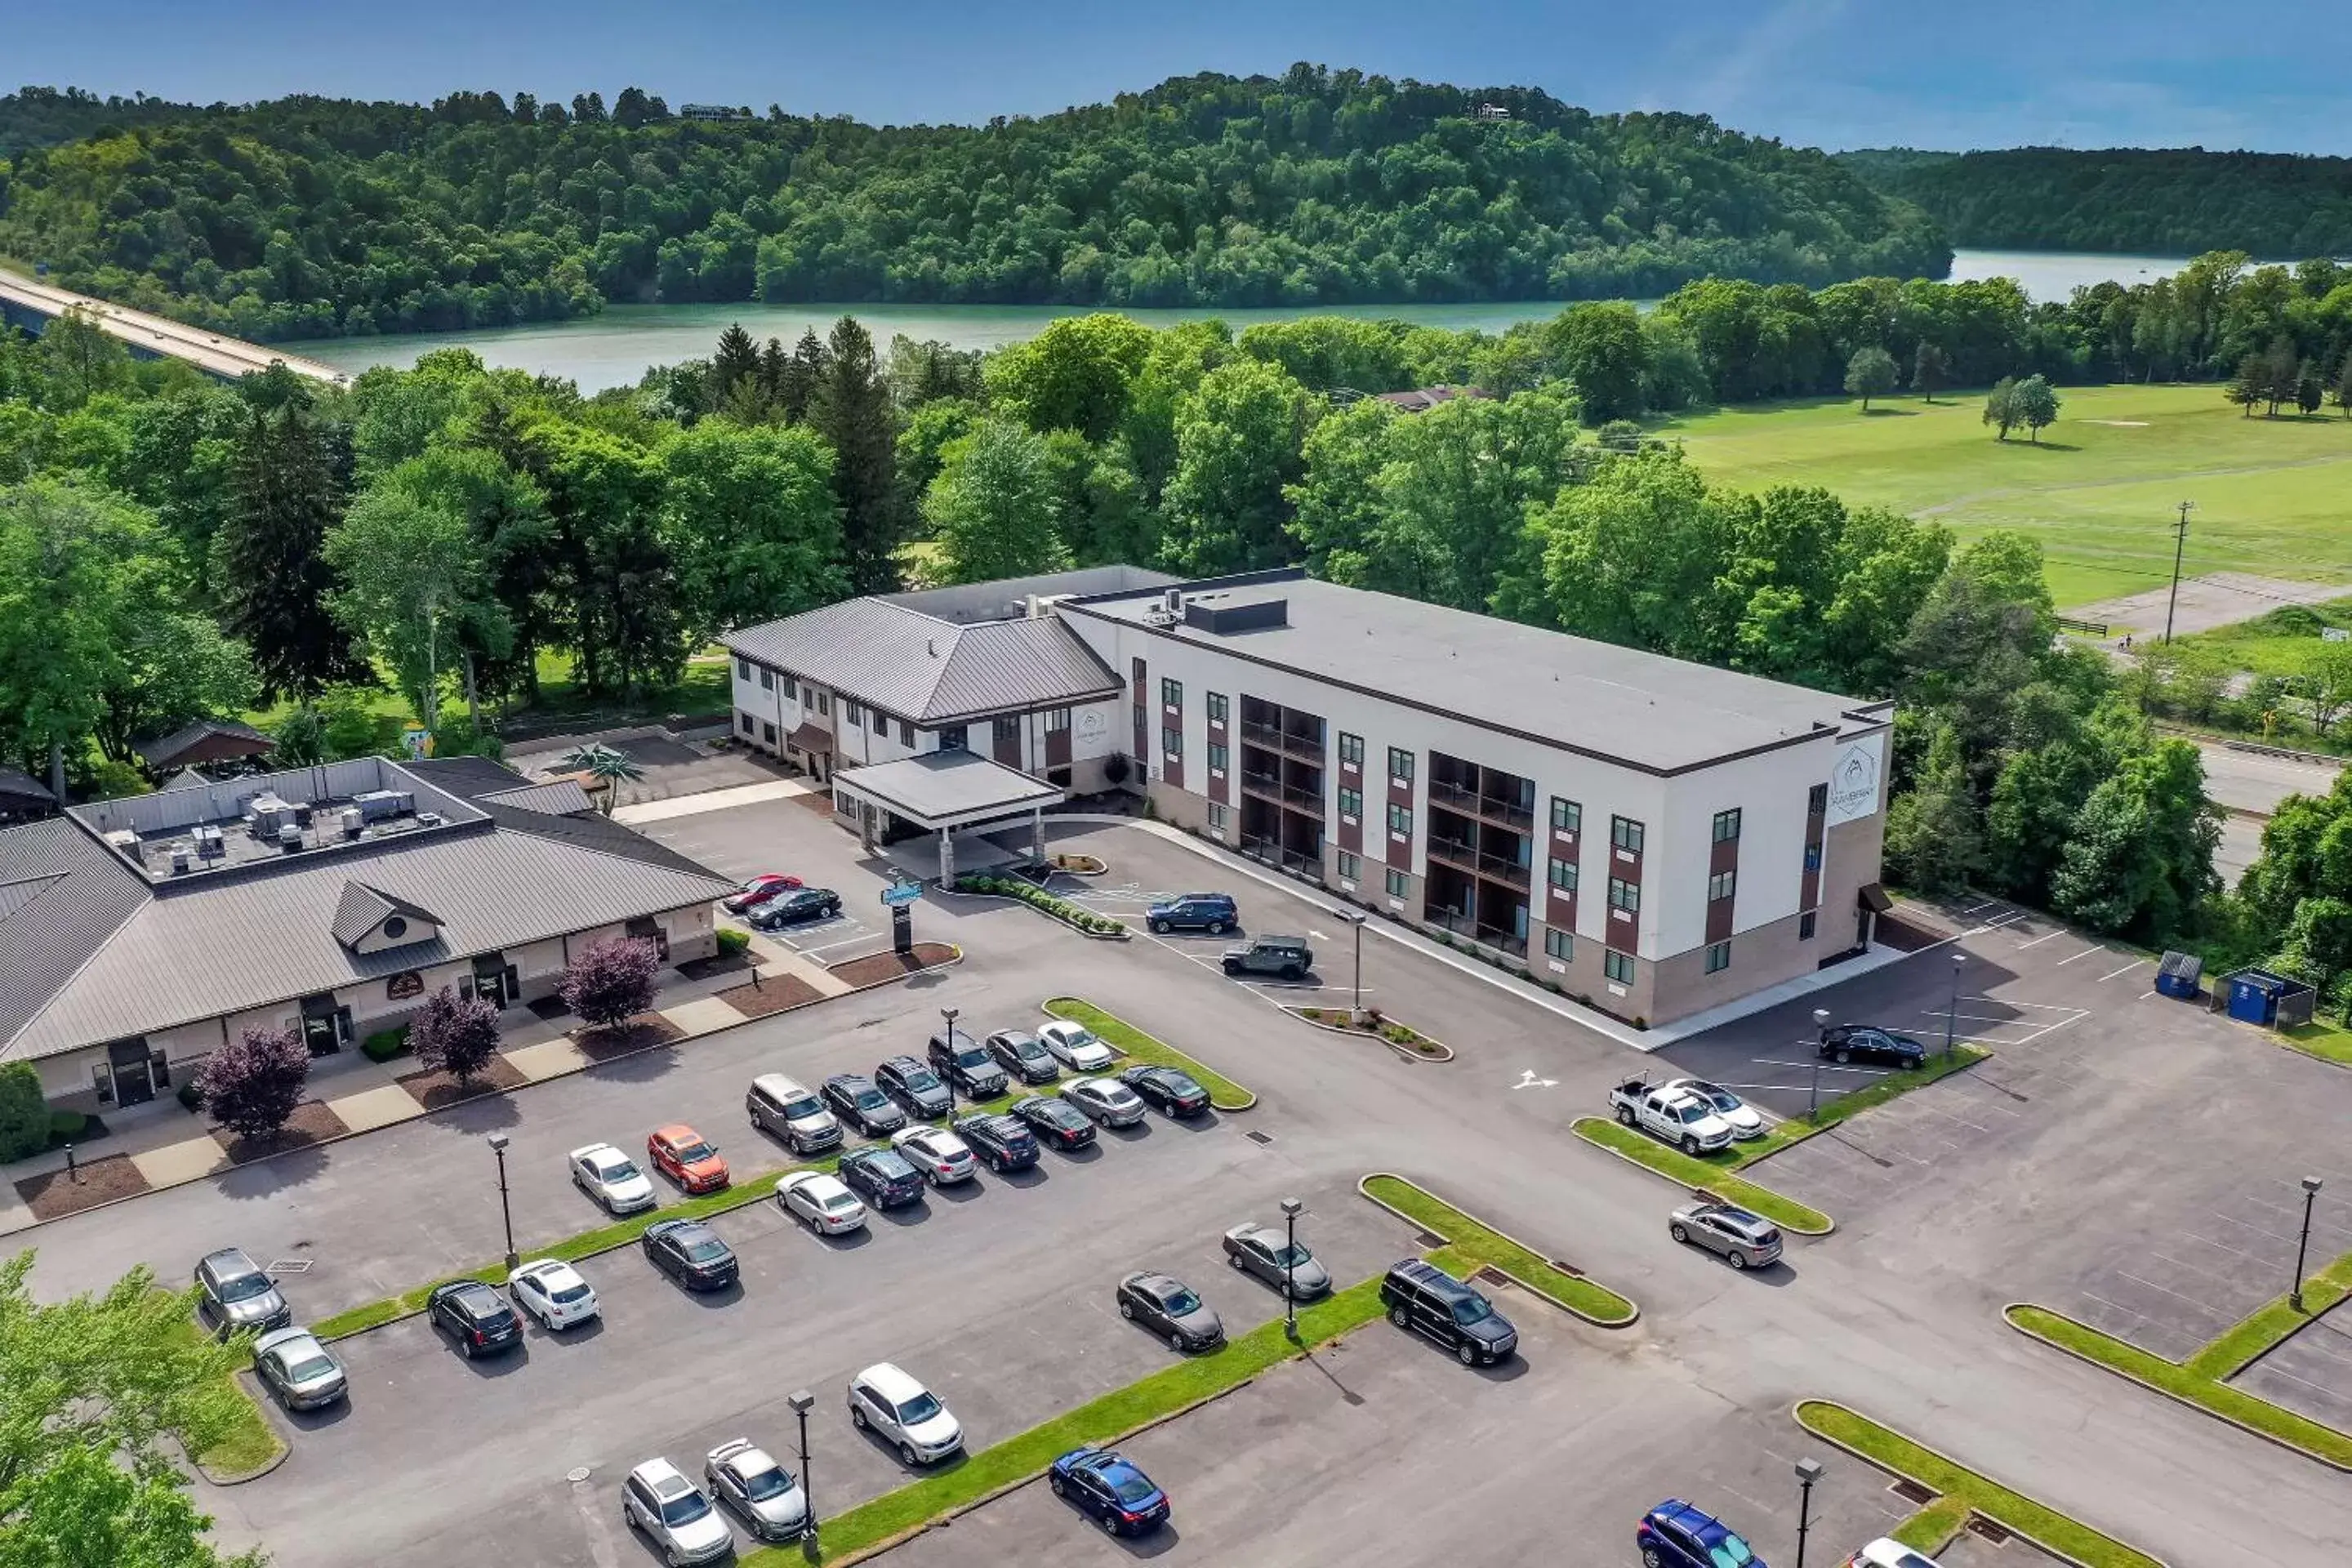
947 789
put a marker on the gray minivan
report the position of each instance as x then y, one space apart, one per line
779 1105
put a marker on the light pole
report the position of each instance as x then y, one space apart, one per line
1951 1016
802 1401
1820 1029
506 1210
1357 919
949 1013
2310 1191
1807 1472
1290 1207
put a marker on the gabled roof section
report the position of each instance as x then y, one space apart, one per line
919 667
362 908
558 797
23 789
219 737
62 896
482 784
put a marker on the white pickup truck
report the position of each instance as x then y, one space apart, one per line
1672 1115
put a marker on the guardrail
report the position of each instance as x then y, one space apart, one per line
2088 628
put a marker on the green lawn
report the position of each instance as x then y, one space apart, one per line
703 689
1484 1246
2322 1038
1224 1092
2100 496
1673 1164
1963 1491
245 1441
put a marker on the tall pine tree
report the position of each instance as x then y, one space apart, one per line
850 408
796 378
736 362
274 580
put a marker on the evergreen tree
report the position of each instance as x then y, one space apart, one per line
2343 392
849 404
796 378
270 564
735 363
1929 370
775 368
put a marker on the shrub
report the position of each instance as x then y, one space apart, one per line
385 1044
732 942
23 1112
611 981
456 1034
69 1127
253 1084
190 1098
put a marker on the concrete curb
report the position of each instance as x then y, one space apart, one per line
238 1479
1249 1104
1883 1467
2288 1443
1407 1052
494 1093
1536 1291
1698 1191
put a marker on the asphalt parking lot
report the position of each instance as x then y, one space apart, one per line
787 835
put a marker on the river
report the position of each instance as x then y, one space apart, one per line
614 349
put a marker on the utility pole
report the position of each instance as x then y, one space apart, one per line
2179 543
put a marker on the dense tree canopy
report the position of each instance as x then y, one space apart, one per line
313 217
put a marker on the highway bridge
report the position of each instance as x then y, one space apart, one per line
28 303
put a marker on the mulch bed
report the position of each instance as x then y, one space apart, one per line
628 1035
433 1087
879 966
768 996
53 1196
718 963
312 1123
819 801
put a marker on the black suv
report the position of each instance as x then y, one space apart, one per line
914 1086
1001 1142
1211 912
881 1176
965 1063
857 1101
1025 1056
475 1316
1423 1296
1288 957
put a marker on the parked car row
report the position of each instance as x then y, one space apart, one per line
1677 1534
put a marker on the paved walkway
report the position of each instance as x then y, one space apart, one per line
710 800
365 1094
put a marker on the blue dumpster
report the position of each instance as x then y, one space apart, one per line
2273 1001
2178 976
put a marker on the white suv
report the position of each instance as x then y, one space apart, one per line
905 1414
675 1514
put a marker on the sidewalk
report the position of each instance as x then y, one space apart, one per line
157 1142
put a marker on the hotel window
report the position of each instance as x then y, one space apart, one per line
1720 886
905 734
743 669
767 680
1817 801
953 739
1812 857
1618 966
1352 802
1727 824
1567 816
824 704
853 712
1563 874
1624 894
1718 957
1626 834
1558 943
745 720
1351 868
881 722
1805 926
1401 820
1399 883
1216 817
1351 748
1217 710
791 689
1171 739
1057 721
1400 764
1171 692
768 732
1219 756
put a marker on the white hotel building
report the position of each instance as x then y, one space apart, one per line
1654 836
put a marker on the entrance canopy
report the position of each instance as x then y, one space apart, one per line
940 790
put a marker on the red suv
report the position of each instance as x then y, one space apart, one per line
684 1157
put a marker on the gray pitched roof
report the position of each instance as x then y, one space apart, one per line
558 797
362 908
482 782
19 786
65 895
165 750
931 785
931 670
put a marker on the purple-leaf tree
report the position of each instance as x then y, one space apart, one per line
611 981
252 1085
458 1035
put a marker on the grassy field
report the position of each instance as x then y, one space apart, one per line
703 689
2273 496
2280 643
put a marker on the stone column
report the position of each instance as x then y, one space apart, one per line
947 859
1037 835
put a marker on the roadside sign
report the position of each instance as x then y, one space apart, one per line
899 893
2335 633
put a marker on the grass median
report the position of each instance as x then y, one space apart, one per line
1224 1092
2192 1382
2329 1042
1483 1245
237 1439
1963 1492
1673 1164
1109 1419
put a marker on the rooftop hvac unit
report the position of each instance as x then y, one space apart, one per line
125 840
351 821
269 814
289 838
182 861
1174 602
378 803
429 819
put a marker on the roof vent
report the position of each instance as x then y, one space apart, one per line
1174 602
1224 620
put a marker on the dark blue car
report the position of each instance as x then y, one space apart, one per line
1109 1491
1676 1535
1211 912
881 1176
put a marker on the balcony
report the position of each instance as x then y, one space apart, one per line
1469 930
1499 810
1267 735
1310 800
1503 869
1453 794
1453 852
1272 853
1266 785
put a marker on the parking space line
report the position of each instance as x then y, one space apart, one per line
2037 1006
1988 904
1826 1066
2084 953
2126 969
2190 1302
2038 940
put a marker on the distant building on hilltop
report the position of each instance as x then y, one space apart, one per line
1429 397
712 112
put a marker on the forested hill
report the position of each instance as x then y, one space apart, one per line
45 116
2172 202
310 216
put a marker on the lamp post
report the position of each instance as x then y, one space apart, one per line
1807 1472
2310 1191
71 1174
1951 1016
1820 1029
1357 919
506 1210
1290 1207
802 1401
950 1014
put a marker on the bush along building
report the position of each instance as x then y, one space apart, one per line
1655 836
139 935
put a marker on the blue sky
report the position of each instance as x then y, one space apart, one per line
1834 73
